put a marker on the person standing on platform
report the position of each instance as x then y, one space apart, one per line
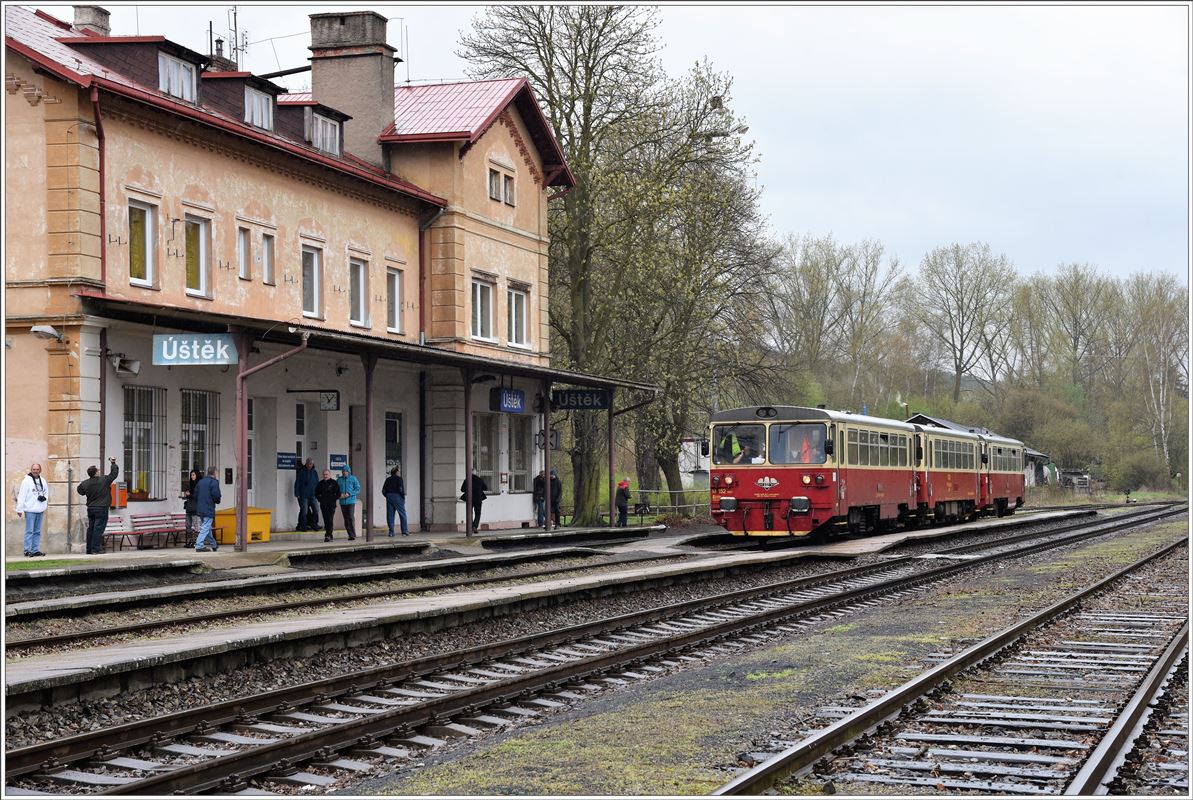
622 501
327 492
556 497
540 498
207 497
305 480
32 499
188 506
394 491
349 489
478 497
98 491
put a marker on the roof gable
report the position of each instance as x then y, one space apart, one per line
463 111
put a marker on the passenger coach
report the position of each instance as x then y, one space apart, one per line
788 470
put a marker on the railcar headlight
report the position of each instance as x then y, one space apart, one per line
728 480
807 479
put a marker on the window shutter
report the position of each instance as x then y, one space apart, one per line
307 123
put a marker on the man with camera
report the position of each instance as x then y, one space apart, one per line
98 491
32 500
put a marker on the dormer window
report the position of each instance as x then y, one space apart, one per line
176 77
258 108
325 134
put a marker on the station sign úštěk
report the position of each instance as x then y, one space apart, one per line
194 349
580 399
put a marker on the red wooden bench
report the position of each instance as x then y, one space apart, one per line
179 535
118 531
158 527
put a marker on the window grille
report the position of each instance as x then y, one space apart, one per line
145 442
200 444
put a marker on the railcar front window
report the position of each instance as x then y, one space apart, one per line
797 443
739 444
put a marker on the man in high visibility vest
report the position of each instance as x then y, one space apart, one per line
729 447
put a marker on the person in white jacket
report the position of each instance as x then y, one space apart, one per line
32 499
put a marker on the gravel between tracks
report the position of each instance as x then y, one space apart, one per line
71 718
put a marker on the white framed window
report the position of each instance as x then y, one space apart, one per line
482 310
325 134
494 185
393 307
358 291
142 242
485 449
244 252
267 257
176 77
521 451
515 328
312 269
200 443
198 245
145 450
508 186
258 108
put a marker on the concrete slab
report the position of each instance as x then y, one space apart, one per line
38 673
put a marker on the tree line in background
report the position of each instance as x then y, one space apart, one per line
663 270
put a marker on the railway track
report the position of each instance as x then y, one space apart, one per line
1049 705
393 711
1159 762
18 645
86 636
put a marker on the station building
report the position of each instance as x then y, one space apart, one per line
174 223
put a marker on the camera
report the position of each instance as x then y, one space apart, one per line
41 498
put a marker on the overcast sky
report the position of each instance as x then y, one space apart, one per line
1053 133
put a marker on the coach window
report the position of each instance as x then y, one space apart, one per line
797 444
739 444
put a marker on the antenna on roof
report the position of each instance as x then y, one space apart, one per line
406 49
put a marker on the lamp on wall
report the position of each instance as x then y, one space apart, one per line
484 379
47 332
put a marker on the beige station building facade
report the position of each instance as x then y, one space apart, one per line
399 231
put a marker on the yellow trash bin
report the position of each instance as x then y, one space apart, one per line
225 520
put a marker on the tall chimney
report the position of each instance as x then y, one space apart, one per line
352 70
92 18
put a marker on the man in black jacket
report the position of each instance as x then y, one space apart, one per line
327 492
98 491
479 487
556 497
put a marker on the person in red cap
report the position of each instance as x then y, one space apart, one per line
622 501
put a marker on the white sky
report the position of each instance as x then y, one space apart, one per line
1054 133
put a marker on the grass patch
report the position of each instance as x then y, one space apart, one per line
790 672
843 628
49 563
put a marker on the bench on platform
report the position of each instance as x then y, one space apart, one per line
160 528
117 530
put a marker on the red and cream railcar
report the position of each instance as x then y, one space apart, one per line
794 471
788 470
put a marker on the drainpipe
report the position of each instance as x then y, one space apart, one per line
611 477
103 390
366 516
103 274
468 450
423 388
547 453
424 245
244 343
103 224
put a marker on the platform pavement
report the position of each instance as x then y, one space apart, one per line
73 668
282 543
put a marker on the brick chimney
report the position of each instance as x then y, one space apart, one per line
218 62
92 18
352 70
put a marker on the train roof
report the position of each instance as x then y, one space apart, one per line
802 413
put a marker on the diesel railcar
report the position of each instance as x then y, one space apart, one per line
794 471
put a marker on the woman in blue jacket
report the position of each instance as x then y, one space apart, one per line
349 489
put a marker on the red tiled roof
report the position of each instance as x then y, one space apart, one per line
463 111
296 98
39 38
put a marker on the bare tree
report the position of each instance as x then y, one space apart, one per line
1160 305
962 288
1078 307
864 292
